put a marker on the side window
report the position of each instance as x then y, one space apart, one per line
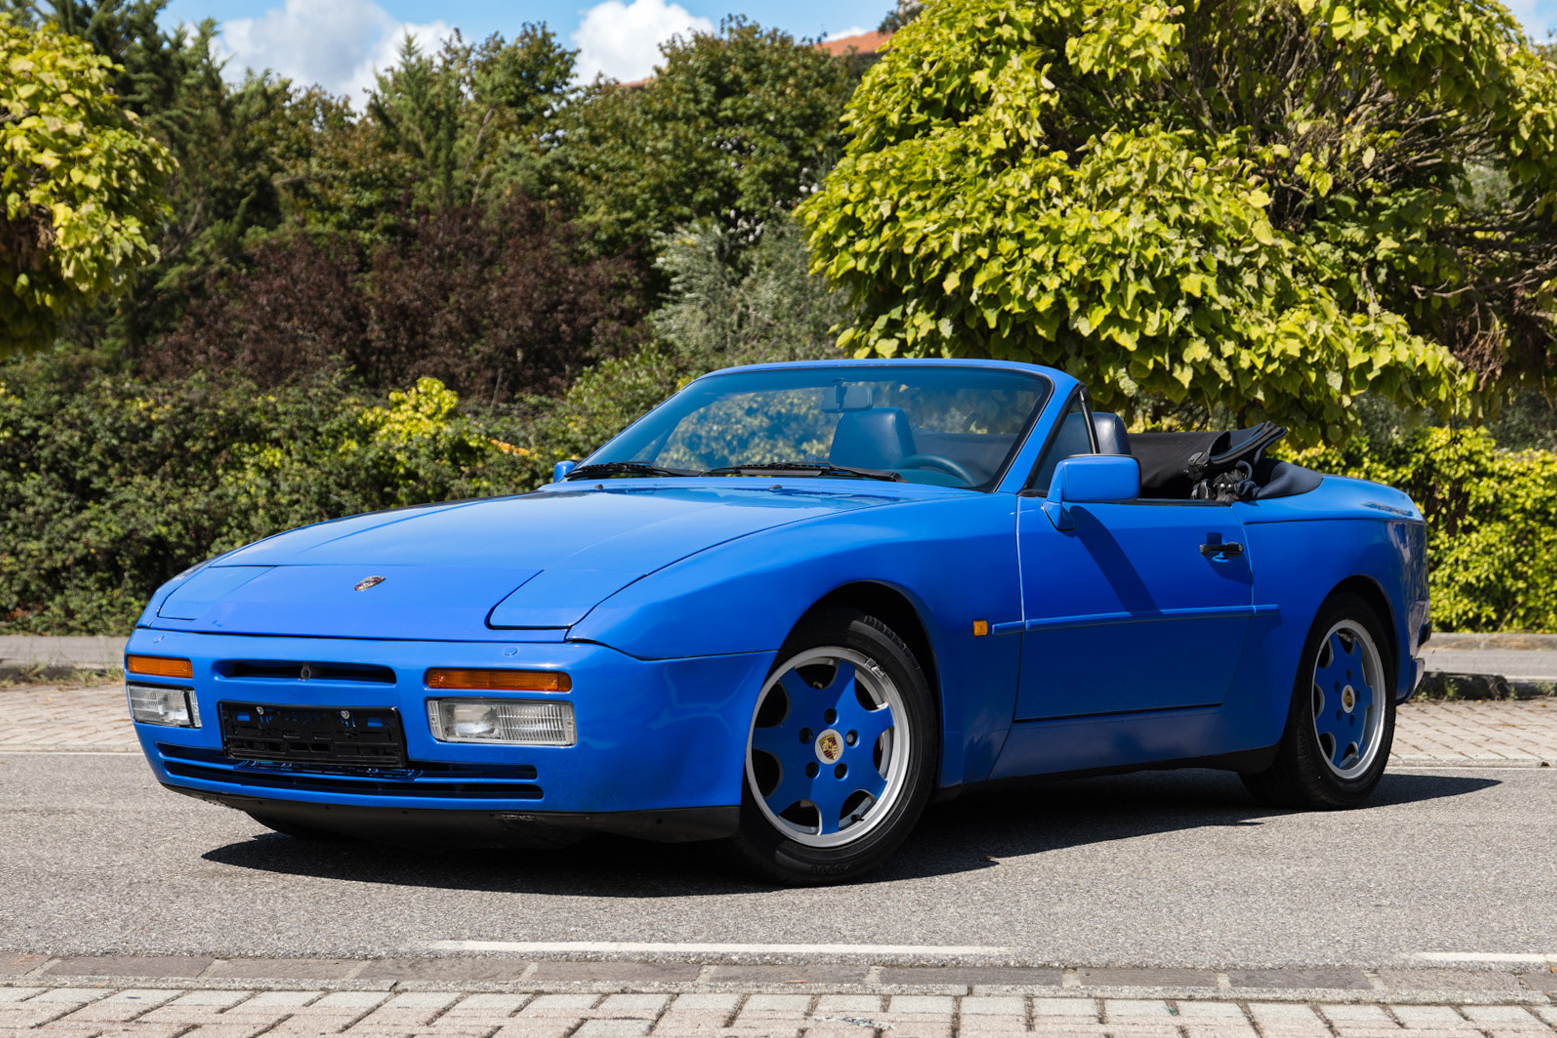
1074 437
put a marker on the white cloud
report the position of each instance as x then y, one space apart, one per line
1539 17
623 40
335 43
843 34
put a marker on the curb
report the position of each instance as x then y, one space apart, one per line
15 672
32 657
1449 685
1462 987
1505 641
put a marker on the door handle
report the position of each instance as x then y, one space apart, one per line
1228 548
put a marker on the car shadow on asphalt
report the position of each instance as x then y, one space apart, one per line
967 834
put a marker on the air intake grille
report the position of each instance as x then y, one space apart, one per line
303 670
416 779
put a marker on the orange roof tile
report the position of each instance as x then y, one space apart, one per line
864 43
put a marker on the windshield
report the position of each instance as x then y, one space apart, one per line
949 426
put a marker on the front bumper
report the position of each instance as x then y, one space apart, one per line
654 736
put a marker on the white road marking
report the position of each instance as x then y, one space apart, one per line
1486 957
627 947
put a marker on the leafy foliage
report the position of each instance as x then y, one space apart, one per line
1491 521
493 305
601 403
721 311
1263 207
471 119
900 15
81 181
235 148
733 127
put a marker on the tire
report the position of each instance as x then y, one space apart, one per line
294 830
1342 719
840 755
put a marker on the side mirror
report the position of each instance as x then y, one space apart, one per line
1090 478
560 471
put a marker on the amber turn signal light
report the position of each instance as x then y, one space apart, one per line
160 666
501 680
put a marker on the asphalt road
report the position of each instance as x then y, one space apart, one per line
1175 869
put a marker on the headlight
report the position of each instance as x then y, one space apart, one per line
507 722
173 707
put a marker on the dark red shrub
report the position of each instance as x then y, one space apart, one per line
296 310
494 304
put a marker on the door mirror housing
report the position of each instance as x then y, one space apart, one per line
1090 479
560 471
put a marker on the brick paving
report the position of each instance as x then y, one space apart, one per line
63 718
175 1012
1477 733
1451 734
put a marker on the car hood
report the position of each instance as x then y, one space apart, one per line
471 569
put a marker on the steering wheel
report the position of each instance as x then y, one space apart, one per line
943 464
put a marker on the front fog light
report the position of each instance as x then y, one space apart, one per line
174 707
509 722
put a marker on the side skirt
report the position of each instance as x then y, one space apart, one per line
1245 762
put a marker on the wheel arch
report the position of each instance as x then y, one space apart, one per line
892 607
1367 589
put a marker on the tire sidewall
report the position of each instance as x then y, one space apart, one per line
1308 755
777 856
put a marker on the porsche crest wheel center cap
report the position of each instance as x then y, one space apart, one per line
829 747
1348 698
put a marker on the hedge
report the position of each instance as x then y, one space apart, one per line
1491 523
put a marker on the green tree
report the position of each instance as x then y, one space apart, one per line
81 179
1265 206
733 127
233 147
901 14
472 119
720 312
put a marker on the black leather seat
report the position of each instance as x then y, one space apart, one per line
876 439
1112 438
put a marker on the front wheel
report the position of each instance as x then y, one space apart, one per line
1342 719
840 755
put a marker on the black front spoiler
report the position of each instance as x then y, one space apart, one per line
459 828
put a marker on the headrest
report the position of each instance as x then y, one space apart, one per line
874 439
1111 435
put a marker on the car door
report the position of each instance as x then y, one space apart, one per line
1142 605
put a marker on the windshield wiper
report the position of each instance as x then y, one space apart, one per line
623 468
820 468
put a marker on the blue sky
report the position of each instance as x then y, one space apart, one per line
340 42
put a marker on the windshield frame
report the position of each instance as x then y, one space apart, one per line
1045 384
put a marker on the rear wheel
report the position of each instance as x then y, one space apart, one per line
840 755
1342 719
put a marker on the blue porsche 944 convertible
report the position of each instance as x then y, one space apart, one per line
786 609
